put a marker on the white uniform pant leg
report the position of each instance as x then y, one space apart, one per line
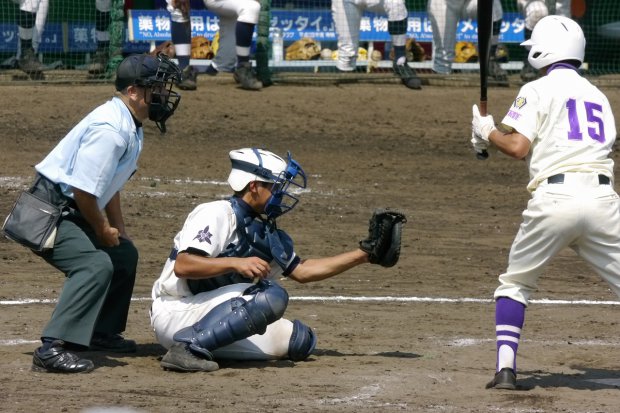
550 223
601 246
396 10
169 315
444 16
347 16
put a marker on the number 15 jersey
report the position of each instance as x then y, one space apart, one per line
569 122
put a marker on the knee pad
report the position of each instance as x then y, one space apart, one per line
236 319
302 343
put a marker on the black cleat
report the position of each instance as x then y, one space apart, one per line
505 379
57 359
407 75
244 75
113 343
180 358
188 79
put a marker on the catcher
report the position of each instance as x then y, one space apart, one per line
218 296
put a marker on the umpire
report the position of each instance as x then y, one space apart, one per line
84 174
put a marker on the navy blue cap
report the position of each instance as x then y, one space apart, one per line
138 69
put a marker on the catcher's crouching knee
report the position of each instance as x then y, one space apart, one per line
302 342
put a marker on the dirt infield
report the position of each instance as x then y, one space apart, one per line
416 337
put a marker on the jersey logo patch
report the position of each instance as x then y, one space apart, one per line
520 102
204 235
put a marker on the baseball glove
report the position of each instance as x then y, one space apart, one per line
201 48
465 52
303 49
414 51
384 237
166 48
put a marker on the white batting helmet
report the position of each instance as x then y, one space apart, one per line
554 39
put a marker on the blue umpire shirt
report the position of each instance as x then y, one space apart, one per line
98 155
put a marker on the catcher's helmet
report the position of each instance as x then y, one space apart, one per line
252 164
555 39
158 73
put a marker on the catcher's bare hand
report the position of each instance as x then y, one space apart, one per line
253 267
384 237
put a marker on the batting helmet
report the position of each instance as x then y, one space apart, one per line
555 39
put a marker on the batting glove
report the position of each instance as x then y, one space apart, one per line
481 126
479 144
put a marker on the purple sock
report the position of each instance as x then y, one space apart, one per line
509 318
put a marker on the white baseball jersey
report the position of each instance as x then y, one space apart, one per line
568 121
572 130
211 228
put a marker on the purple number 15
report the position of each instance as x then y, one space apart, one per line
596 131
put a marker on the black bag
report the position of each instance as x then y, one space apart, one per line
32 222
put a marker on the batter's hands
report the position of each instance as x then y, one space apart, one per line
254 267
481 126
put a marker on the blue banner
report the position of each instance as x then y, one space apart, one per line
154 25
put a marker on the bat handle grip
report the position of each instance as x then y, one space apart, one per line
483 111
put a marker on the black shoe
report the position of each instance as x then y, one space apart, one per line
114 343
30 65
180 358
407 75
57 359
246 77
496 72
528 73
211 70
188 79
505 379
99 64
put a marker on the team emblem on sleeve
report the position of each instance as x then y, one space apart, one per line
520 102
204 235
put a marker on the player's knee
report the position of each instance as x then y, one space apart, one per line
302 342
270 301
534 11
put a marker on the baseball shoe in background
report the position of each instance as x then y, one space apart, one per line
496 72
29 64
246 77
180 358
528 73
99 64
407 75
114 343
188 79
505 379
57 359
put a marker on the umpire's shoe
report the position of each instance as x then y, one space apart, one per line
56 359
113 343
407 75
246 77
180 358
505 379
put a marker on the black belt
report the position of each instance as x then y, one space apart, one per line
559 179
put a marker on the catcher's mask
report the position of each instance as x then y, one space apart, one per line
158 73
253 164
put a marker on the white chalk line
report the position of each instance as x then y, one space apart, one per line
369 299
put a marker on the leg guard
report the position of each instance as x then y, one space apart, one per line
303 341
236 319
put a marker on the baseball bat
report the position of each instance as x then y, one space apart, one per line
485 28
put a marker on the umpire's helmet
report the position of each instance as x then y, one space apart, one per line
158 73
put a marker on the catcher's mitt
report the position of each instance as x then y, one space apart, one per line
303 49
414 51
201 48
465 52
166 48
384 236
